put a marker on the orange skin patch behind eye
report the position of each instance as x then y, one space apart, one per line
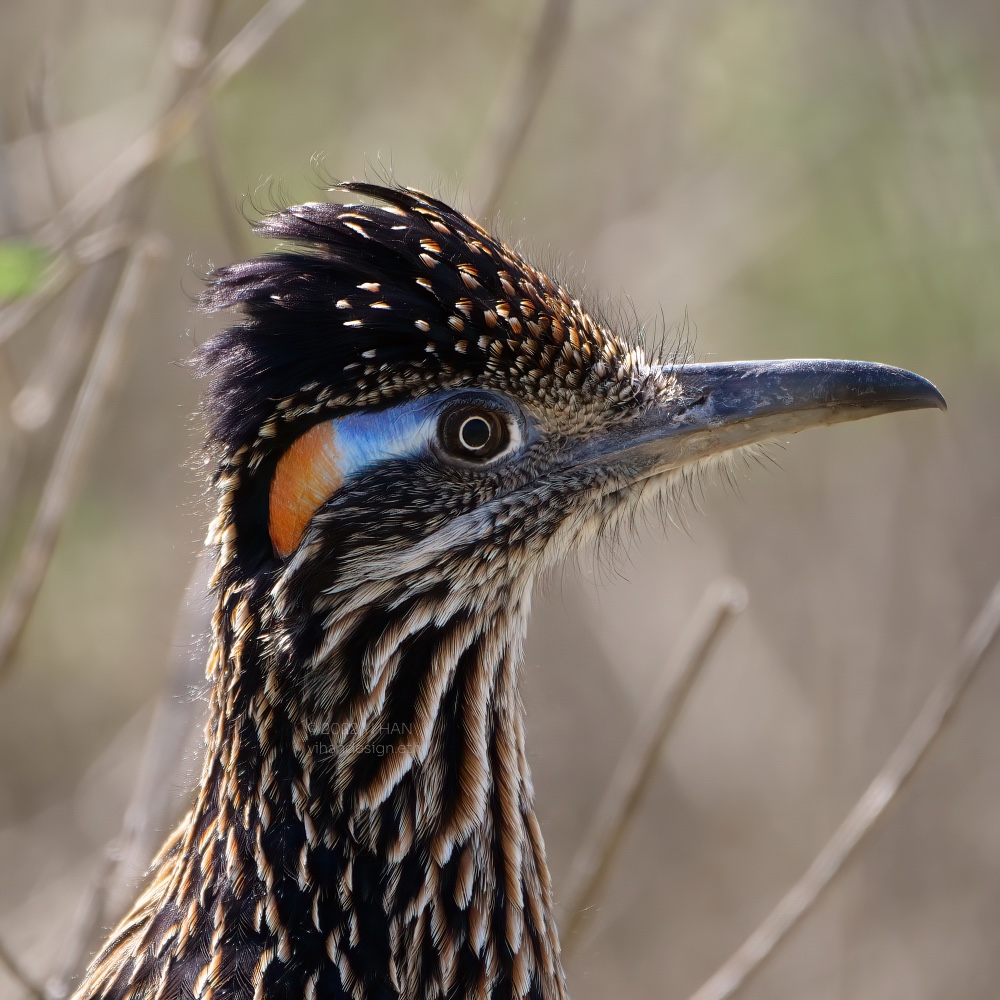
307 475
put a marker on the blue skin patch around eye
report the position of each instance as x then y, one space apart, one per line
403 431
316 465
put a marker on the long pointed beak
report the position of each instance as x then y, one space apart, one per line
719 407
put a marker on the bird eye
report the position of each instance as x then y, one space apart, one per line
474 433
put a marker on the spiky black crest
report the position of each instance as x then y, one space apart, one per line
378 302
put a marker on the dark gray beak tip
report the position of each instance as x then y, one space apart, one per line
747 389
931 396
895 387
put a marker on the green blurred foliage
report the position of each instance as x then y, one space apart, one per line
22 268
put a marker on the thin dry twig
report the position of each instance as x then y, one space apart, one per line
39 106
174 727
722 600
10 217
74 449
12 446
87 250
211 153
169 726
37 400
499 153
867 811
78 947
248 41
15 971
176 122
141 155
191 21
162 771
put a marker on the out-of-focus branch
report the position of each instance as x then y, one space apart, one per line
152 807
722 600
15 971
141 155
248 41
74 449
40 116
499 152
182 54
867 811
172 126
221 191
37 400
87 250
78 947
178 719
12 445
10 217
123 186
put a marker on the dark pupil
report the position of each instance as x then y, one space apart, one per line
474 433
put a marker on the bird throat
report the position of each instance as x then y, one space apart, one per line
365 825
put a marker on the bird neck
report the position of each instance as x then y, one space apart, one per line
377 787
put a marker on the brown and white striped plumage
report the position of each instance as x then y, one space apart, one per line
364 826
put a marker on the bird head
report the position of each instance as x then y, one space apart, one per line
410 421
406 398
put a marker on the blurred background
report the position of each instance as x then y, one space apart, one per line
761 177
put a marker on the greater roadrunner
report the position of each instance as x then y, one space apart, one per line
409 423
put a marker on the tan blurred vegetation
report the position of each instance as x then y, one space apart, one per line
798 179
